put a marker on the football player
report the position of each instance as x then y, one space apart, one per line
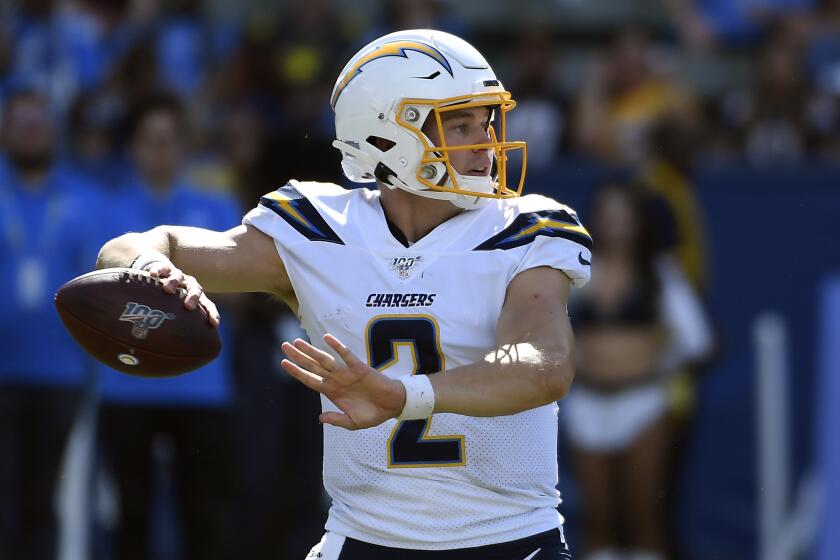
436 307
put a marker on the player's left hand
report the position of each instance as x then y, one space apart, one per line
365 396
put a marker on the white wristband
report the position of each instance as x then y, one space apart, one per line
148 257
419 397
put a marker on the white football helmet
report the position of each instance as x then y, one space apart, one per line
389 89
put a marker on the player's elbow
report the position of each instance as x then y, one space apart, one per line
558 378
110 253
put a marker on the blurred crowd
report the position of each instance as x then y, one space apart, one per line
757 80
119 115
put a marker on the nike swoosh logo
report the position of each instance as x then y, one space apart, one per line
429 77
533 554
582 261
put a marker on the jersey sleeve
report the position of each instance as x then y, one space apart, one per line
546 233
290 215
571 257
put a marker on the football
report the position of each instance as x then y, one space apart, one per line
125 319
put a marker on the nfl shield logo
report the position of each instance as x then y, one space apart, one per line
403 265
143 319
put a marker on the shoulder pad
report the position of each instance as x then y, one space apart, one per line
537 215
293 203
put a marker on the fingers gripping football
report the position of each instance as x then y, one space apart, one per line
173 279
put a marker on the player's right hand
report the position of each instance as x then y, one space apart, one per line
173 279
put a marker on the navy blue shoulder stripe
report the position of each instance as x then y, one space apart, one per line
288 203
526 227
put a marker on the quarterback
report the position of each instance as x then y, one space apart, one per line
435 305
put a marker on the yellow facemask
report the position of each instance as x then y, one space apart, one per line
453 182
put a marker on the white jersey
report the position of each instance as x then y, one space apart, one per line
451 481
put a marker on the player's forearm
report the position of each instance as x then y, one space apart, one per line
123 250
513 379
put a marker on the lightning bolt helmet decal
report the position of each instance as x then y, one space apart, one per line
395 48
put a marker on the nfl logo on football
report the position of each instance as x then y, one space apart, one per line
143 318
403 265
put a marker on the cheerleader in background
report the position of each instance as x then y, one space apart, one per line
636 323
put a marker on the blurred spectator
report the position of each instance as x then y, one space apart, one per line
46 238
286 73
541 111
134 75
308 55
189 412
188 47
149 45
182 47
245 145
635 322
702 24
824 117
249 75
93 150
773 115
679 225
824 47
776 126
416 14
823 57
6 53
235 156
58 47
623 95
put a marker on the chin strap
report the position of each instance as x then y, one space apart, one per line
354 161
381 172
353 151
388 178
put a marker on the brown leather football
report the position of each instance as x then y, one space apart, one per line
124 319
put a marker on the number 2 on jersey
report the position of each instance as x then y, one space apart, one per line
409 444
